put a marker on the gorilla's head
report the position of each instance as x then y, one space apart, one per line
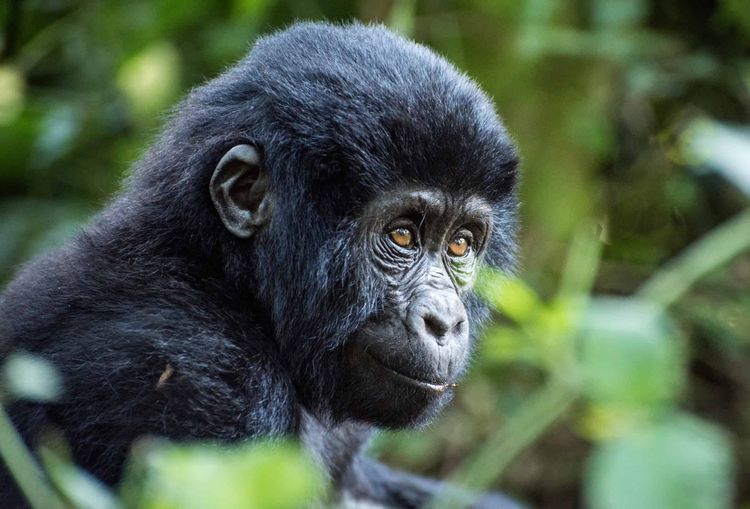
359 181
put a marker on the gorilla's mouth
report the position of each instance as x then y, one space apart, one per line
410 379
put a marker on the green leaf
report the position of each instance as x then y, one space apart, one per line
150 79
258 475
504 344
512 297
12 93
30 377
629 354
402 17
614 14
721 147
681 462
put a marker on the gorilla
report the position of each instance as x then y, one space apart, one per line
294 256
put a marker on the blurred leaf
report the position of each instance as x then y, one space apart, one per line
58 130
254 476
249 9
618 13
505 344
23 467
610 45
511 296
30 377
78 486
12 92
721 147
402 17
150 79
630 355
540 12
736 12
601 422
681 462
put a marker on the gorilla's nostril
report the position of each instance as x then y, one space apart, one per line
435 326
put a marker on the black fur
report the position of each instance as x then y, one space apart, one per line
253 328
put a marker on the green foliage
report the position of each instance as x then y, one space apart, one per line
678 461
257 475
25 376
629 355
150 79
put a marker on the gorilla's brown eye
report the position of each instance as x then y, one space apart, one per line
402 236
459 245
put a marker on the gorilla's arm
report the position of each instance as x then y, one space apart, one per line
371 481
364 482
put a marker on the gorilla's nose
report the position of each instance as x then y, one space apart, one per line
438 316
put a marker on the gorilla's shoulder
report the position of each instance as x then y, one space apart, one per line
112 297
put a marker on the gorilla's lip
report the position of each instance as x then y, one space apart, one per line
418 382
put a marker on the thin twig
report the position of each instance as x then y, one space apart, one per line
24 468
710 252
523 428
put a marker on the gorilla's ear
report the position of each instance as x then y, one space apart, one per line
238 189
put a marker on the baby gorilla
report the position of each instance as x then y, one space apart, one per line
294 256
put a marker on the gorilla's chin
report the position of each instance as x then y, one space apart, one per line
380 395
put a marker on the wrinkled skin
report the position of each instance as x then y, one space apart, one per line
417 347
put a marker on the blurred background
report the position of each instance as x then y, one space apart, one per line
633 121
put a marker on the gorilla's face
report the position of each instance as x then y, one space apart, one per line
369 312
397 304
425 245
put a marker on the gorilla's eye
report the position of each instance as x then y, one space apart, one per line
402 236
460 244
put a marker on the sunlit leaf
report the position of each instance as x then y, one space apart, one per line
30 377
721 147
58 130
511 296
601 422
150 79
12 93
254 476
402 16
618 13
505 344
681 462
629 354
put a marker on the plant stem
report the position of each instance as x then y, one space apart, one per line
581 264
25 470
523 428
710 252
